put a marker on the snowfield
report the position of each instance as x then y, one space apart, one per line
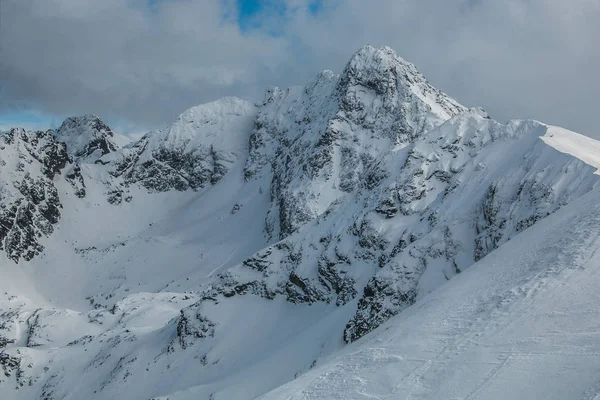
361 237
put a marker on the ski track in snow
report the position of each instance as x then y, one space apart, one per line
211 273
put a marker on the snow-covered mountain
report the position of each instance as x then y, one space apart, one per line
363 236
88 138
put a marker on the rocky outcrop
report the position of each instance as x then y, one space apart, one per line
29 202
173 168
75 178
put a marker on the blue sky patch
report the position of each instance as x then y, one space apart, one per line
251 11
27 119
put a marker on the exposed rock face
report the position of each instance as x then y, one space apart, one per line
29 202
75 178
172 168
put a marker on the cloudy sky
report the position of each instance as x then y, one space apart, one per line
139 63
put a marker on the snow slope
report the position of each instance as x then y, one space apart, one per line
297 248
521 324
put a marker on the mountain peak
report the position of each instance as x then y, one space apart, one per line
87 137
389 75
370 63
88 120
383 54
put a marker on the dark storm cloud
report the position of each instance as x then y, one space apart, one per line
126 61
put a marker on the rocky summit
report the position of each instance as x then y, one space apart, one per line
362 236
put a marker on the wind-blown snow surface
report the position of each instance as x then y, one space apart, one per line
256 248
